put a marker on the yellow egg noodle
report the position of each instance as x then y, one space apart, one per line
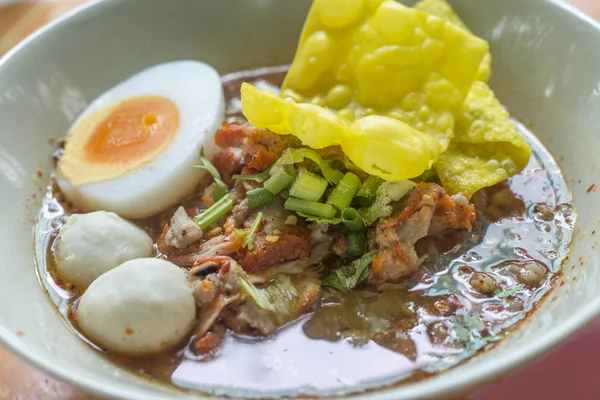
400 89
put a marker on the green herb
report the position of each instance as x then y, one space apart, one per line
462 333
214 212
509 291
341 196
294 156
281 178
350 166
347 277
356 243
353 220
263 176
278 297
464 326
247 243
259 197
387 193
320 220
492 339
221 188
368 191
310 208
308 186
428 176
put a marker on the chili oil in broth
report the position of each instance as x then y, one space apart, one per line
428 323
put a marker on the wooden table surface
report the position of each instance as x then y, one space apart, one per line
19 381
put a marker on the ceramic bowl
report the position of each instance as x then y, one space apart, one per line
546 71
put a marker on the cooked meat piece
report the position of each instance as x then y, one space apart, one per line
182 230
266 253
275 242
208 345
260 148
498 202
429 210
224 281
228 162
222 245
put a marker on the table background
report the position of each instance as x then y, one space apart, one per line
569 371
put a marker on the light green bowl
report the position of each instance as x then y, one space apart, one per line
546 70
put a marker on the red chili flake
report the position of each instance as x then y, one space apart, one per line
129 331
20 333
591 188
183 232
225 269
39 173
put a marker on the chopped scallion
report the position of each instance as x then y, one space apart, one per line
259 197
263 176
247 243
294 156
308 186
353 220
356 243
310 207
221 188
368 191
281 179
214 212
342 195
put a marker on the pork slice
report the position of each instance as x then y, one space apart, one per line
182 230
428 211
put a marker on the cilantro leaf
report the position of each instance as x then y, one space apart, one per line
465 326
319 220
387 193
348 276
509 291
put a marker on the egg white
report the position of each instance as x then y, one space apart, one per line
195 89
141 307
91 244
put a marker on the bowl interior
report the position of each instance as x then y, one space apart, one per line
546 71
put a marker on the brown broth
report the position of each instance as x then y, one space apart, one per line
408 328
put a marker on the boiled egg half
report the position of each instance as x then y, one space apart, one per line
133 150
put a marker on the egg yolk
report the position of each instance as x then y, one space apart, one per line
118 139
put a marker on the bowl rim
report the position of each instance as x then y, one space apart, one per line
428 388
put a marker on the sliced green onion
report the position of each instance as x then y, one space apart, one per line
247 243
308 186
285 194
356 243
368 191
342 195
428 176
353 220
214 212
263 176
259 197
294 156
221 188
281 179
310 207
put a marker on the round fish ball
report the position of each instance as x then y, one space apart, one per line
91 244
142 307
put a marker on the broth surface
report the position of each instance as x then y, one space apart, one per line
348 342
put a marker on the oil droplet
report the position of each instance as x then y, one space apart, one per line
543 227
